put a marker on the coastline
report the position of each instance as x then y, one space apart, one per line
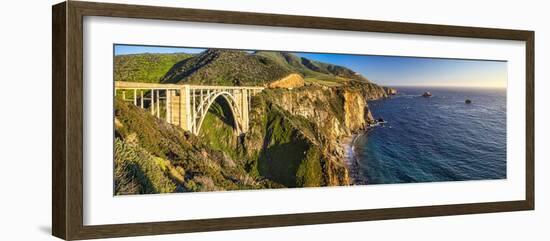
350 158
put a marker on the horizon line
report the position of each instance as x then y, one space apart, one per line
445 86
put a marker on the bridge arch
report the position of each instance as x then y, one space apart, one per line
233 107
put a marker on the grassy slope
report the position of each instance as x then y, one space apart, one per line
145 67
217 129
313 71
137 171
225 67
288 157
233 67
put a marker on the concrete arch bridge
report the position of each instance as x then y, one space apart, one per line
187 105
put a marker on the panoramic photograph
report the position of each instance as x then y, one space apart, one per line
204 119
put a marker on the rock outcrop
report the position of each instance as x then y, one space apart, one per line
390 91
289 82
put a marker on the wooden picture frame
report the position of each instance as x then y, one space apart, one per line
67 123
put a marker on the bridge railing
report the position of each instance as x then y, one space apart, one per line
156 100
140 85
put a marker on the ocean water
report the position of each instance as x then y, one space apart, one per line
434 139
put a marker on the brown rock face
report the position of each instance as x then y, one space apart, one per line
289 82
356 111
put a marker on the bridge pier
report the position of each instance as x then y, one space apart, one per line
168 106
185 108
141 98
241 97
152 105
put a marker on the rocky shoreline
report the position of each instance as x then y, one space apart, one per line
351 160
347 145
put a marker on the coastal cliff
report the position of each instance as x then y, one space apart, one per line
295 136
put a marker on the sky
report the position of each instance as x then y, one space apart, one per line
390 70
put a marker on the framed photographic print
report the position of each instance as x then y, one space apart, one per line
170 120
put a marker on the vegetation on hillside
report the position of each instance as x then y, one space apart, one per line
225 67
152 156
234 67
137 171
148 68
288 157
228 67
311 69
218 129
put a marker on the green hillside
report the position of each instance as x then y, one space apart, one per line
234 67
146 67
310 68
226 67
152 156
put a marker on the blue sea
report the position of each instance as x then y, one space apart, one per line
440 138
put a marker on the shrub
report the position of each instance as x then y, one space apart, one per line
136 171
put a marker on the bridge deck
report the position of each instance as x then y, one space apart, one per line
148 86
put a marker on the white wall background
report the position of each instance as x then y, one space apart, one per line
25 134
